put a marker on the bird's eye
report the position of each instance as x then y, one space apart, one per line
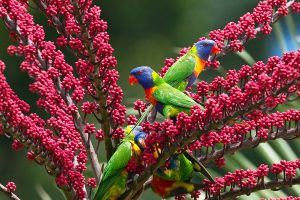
139 73
205 44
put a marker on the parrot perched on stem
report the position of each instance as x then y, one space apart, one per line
185 70
114 179
180 176
166 99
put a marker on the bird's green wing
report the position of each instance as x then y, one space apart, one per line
186 167
119 160
198 166
180 70
114 167
168 95
105 185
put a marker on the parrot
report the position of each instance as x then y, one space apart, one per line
166 99
185 70
180 176
114 179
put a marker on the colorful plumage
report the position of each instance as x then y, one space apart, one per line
182 173
185 70
167 100
114 179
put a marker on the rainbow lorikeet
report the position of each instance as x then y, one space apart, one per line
167 100
181 174
185 70
114 179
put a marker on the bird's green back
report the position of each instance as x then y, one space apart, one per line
198 166
119 160
103 189
181 169
115 166
168 95
186 168
181 70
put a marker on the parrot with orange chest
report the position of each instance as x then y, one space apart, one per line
167 100
185 70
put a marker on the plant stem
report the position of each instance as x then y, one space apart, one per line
10 195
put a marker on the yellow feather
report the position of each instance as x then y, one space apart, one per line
187 186
200 64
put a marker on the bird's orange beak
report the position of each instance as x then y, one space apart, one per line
215 50
132 80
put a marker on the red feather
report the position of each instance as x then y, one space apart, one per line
161 186
149 95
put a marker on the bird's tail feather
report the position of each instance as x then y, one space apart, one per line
142 118
199 166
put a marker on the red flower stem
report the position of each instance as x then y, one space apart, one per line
39 157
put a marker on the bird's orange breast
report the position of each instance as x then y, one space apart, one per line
200 64
149 95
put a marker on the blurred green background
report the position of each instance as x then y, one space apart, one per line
142 33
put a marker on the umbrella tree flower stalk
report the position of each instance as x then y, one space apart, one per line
239 108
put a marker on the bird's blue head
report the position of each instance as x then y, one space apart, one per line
205 48
143 76
136 134
139 138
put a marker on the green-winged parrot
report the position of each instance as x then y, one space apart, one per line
185 70
114 179
166 99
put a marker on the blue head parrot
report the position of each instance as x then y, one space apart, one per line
166 99
115 176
